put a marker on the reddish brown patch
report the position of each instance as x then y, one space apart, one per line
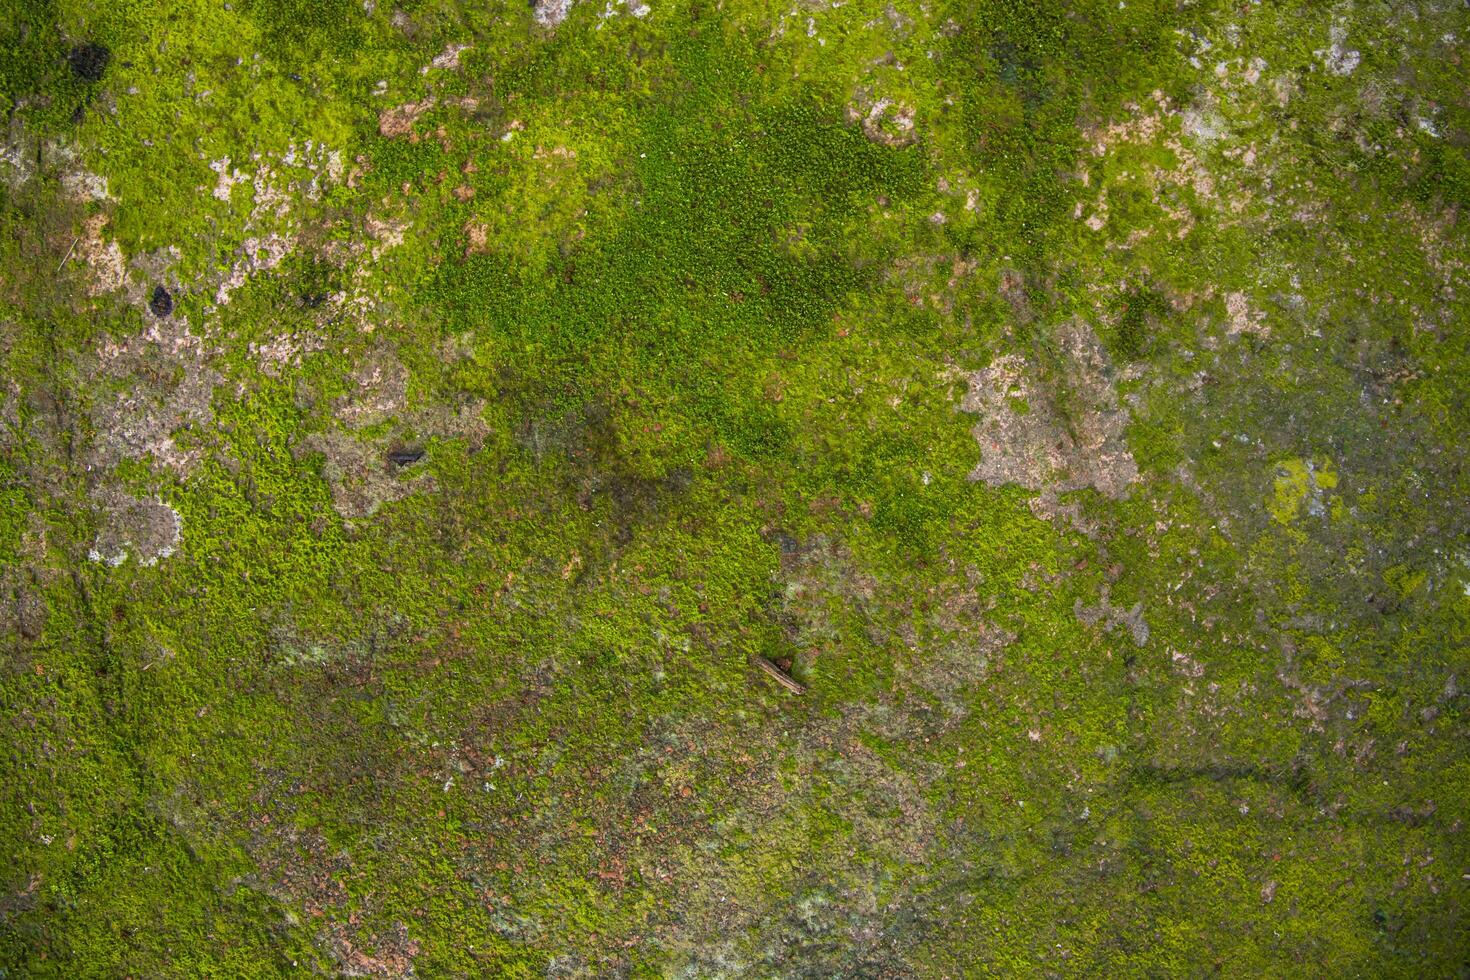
399 120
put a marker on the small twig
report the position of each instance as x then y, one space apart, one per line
68 253
780 676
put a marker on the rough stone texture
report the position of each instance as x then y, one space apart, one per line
150 386
1031 437
550 13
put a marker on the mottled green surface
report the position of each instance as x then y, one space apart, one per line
1072 395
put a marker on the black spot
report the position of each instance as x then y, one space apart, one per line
406 455
78 114
161 302
89 61
312 300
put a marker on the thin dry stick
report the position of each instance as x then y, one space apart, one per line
780 676
68 253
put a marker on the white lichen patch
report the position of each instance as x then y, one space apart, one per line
227 178
448 59
17 162
634 7
1338 58
1241 317
161 382
380 391
22 156
386 234
278 184
83 185
255 254
277 354
144 530
883 120
550 13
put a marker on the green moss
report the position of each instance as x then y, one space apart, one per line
681 307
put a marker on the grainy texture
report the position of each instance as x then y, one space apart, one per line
436 439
